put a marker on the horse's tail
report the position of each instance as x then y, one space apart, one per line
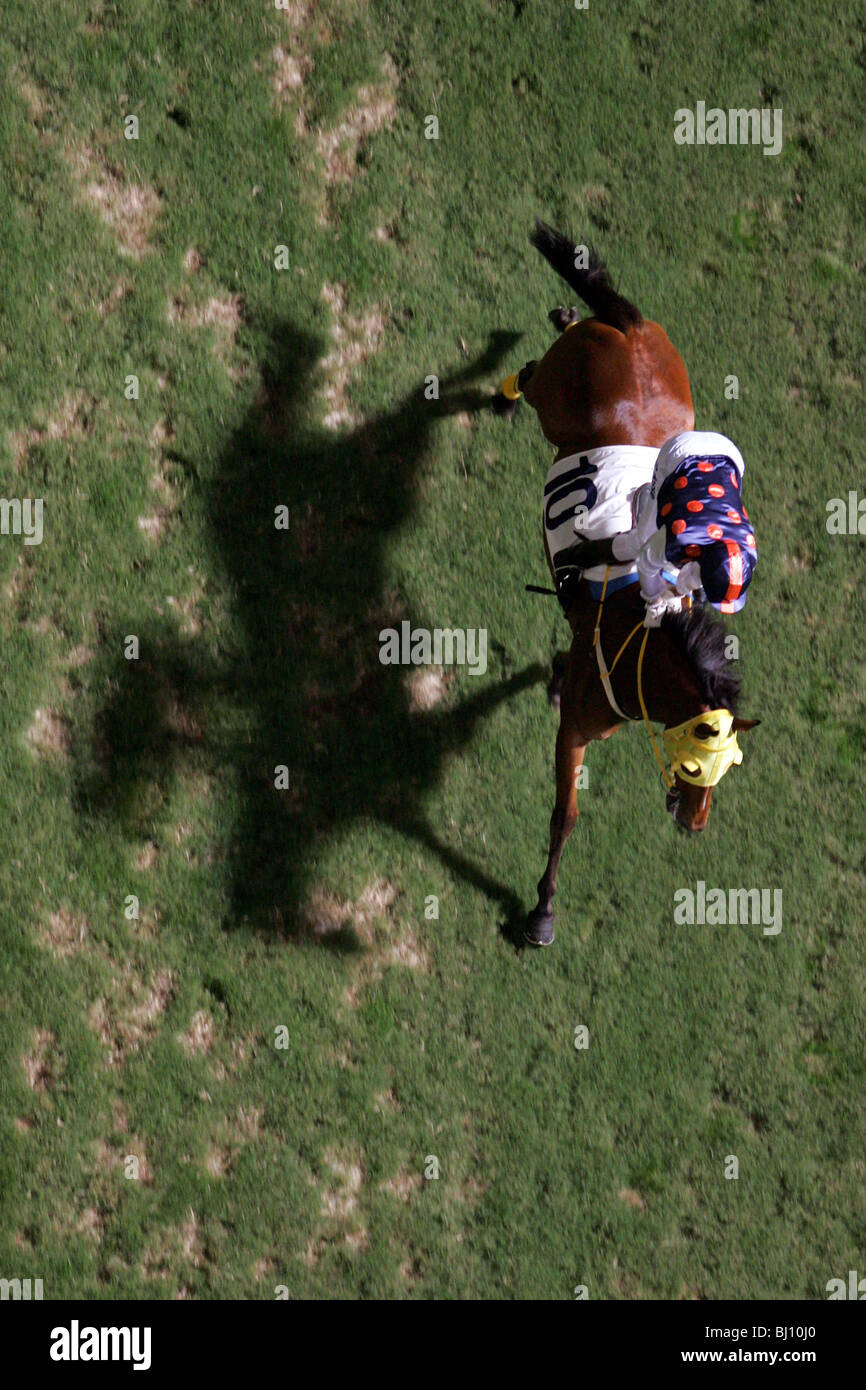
591 282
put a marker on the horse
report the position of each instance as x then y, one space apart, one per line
616 378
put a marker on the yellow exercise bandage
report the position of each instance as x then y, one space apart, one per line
509 388
703 761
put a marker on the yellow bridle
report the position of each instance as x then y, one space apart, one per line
701 761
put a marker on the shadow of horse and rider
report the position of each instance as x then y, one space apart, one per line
302 685
303 672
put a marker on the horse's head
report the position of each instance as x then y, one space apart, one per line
700 753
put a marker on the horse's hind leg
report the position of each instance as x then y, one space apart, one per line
507 397
570 750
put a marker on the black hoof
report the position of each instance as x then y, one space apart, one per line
539 928
561 317
501 405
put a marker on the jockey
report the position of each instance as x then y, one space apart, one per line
690 529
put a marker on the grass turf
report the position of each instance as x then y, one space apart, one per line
409 1039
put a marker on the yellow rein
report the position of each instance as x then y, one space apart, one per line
665 774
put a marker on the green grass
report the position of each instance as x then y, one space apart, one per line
410 1037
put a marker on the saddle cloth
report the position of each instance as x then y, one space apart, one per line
598 489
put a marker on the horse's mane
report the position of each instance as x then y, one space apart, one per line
701 639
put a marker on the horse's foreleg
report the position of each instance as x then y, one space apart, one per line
557 679
507 397
570 750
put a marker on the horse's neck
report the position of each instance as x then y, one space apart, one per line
671 688
674 712
674 693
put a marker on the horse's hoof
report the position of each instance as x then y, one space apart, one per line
539 928
562 318
501 405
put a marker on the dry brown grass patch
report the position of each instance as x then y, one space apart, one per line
386 1103
594 195
326 913
223 314
35 99
218 1162
345 1059
72 418
146 857
404 950
155 525
374 110
632 1198
65 932
296 13
388 942
129 1015
40 1063
129 209
198 1037
340 1200
190 1240
146 926
357 1240
290 72
161 436
176 1243
49 735
106 1159
403 1185
428 688
113 300
339 1207
91 1223
248 1123
234 1133
798 563
356 338
21 580
79 656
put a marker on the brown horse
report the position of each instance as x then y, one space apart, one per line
616 378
